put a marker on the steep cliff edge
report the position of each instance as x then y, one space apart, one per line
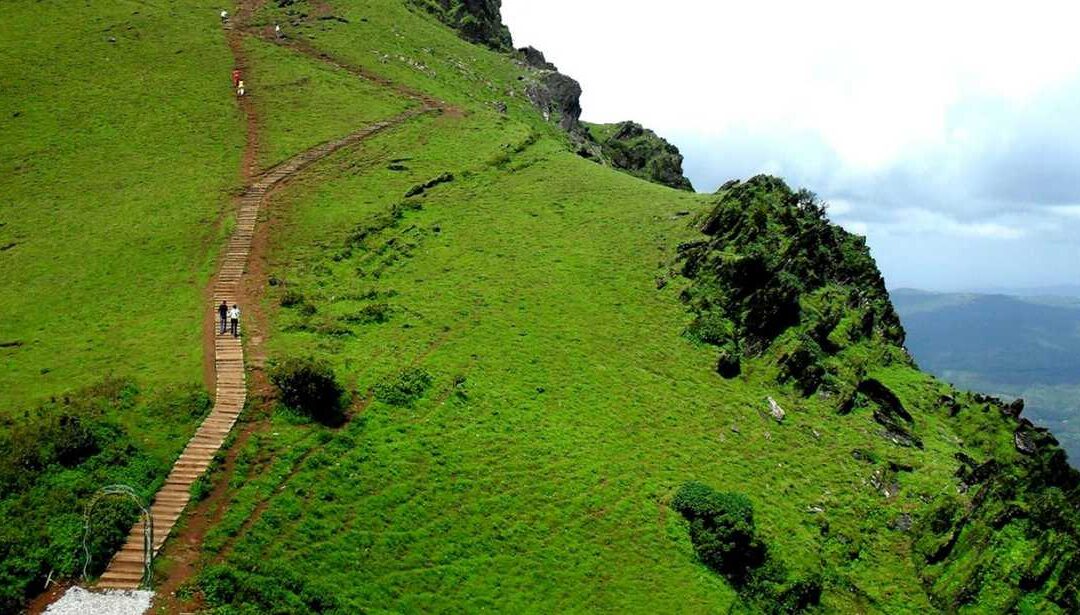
773 282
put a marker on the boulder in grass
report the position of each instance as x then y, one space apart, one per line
776 411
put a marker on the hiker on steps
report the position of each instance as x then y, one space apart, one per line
234 318
223 312
240 88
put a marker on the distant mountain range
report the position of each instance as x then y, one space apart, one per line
1012 345
1060 290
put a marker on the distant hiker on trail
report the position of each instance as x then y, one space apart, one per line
234 318
223 312
240 88
236 78
277 30
224 16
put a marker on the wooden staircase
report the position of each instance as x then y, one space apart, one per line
125 570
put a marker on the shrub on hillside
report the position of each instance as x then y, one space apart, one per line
721 529
292 298
725 539
729 360
263 588
376 313
711 328
404 388
310 388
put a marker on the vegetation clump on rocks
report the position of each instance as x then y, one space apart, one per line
774 270
630 147
477 21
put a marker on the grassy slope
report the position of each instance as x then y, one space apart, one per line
585 408
115 162
566 406
544 485
304 102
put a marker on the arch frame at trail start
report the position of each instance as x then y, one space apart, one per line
147 527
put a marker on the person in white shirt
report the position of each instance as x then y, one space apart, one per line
240 88
224 15
234 319
277 30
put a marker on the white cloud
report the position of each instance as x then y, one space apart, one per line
916 223
1069 211
872 80
917 120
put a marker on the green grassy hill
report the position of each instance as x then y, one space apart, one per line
119 147
540 353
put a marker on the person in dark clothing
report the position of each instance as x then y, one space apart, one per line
223 313
234 317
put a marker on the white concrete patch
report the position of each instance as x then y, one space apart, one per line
78 601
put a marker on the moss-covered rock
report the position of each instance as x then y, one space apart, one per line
629 147
772 263
478 21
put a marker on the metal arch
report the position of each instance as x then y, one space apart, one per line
148 528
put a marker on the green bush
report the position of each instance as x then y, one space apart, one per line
404 388
711 328
376 313
263 589
729 361
725 539
309 387
292 298
721 530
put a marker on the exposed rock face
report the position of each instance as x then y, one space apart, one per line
478 21
1014 409
1030 439
641 152
535 58
557 95
888 412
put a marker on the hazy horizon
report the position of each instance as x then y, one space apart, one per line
942 133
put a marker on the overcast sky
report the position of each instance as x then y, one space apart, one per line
948 133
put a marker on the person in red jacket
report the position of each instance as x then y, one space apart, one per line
236 78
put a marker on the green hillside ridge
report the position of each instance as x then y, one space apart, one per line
566 389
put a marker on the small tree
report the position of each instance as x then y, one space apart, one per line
309 387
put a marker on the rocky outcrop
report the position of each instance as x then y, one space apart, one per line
535 58
478 21
630 147
558 97
774 278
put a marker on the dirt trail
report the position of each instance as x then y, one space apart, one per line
239 280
